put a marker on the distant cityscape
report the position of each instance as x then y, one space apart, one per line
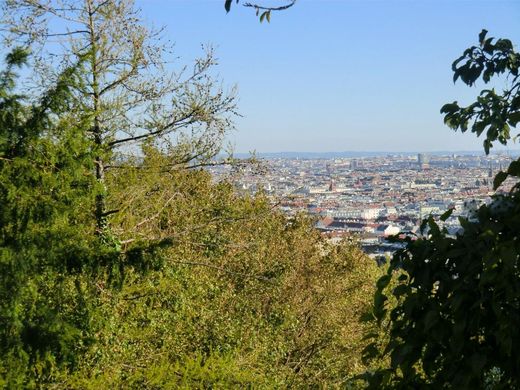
373 197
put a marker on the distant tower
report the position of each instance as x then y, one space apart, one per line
423 161
490 172
329 169
332 185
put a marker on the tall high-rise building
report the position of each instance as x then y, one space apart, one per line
423 161
329 169
332 185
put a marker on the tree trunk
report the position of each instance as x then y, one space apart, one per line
96 130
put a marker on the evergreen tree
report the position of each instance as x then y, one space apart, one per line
46 187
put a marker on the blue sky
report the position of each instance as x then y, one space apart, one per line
335 75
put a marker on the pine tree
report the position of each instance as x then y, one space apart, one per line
46 187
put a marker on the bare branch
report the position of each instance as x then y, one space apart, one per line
175 124
265 8
69 33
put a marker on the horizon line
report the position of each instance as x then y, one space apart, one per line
454 151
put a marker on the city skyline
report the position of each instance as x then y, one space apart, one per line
375 153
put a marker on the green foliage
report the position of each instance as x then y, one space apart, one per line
457 302
192 286
456 299
492 112
239 286
45 192
140 272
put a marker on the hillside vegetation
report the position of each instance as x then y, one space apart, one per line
122 264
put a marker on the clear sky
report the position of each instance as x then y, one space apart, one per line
336 75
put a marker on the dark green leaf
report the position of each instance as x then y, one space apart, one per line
482 36
514 118
401 290
477 363
383 281
446 214
431 319
449 108
514 168
499 179
424 223
227 5
487 145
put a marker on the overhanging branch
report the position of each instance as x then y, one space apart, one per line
266 8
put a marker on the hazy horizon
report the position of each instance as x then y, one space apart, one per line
354 153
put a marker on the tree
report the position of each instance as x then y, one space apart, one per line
99 91
458 298
244 296
127 93
47 255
